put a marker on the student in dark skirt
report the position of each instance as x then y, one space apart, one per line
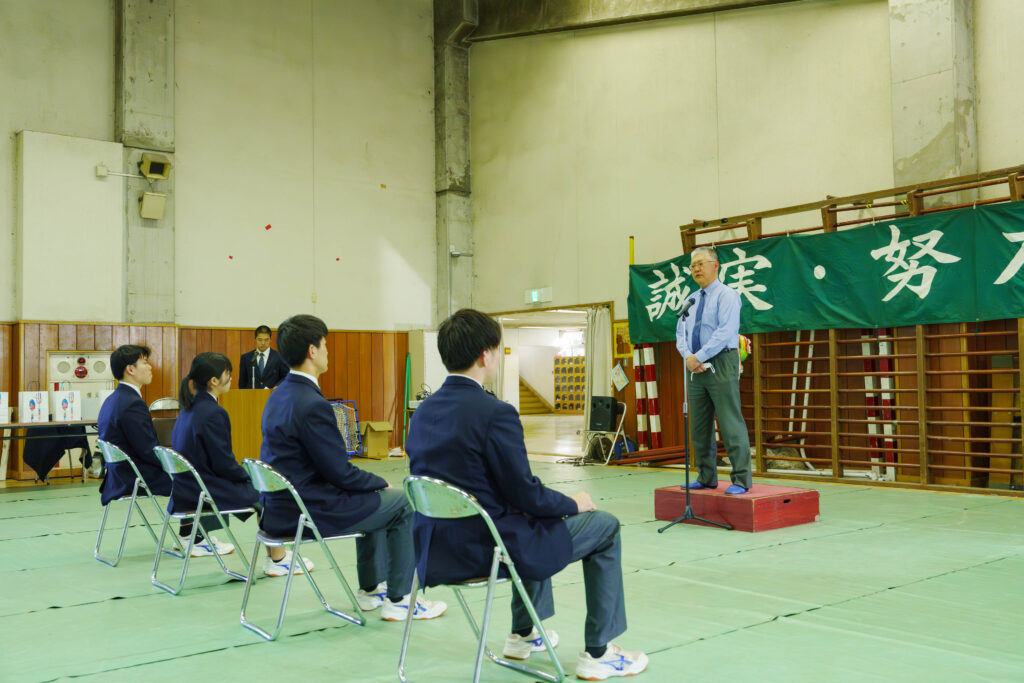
202 435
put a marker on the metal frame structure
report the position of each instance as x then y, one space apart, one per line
438 499
174 463
113 454
267 480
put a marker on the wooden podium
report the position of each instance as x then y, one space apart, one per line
245 408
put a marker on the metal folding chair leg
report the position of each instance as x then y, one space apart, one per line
358 619
186 554
481 631
133 504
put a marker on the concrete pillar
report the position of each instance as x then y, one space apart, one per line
934 127
453 21
144 121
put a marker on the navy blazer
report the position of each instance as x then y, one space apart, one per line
202 434
274 371
301 440
466 437
124 421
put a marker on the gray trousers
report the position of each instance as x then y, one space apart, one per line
596 541
386 551
718 393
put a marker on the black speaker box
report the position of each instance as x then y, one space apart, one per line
602 413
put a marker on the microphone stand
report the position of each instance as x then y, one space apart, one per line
688 510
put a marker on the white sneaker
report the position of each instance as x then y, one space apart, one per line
520 647
374 599
203 548
614 662
425 609
284 565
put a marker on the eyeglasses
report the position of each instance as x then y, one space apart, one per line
699 264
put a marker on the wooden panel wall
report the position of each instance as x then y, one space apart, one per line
25 345
363 366
36 339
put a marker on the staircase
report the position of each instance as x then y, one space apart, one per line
529 402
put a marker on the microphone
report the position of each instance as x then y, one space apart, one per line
685 308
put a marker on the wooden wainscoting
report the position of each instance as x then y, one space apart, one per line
364 366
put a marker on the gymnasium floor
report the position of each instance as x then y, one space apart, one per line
890 585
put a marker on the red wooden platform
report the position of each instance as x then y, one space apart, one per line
761 508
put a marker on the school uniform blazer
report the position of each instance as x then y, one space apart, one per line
202 434
124 421
466 437
301 441
274 371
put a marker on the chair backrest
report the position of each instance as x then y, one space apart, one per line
438 499
266 479
165 403
111 453
172 461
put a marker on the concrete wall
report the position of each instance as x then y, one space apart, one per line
56 76
314 117
317 120
581 139
997 30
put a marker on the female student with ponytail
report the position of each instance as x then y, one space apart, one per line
202 434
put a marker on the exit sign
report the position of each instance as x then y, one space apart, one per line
536 296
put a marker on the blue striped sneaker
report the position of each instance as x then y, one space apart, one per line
369 601
284 565
614 662
521 647
425 609
203 548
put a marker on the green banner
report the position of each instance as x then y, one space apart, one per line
954 266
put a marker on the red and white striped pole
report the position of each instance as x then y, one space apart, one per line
641 397
653 409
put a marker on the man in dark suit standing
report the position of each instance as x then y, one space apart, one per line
465 436
263 367
124 421
301 441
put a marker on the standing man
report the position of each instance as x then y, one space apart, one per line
301 441
469 438
708 340
124 421
263 367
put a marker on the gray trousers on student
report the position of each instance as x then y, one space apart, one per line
596 541
718 393
386 551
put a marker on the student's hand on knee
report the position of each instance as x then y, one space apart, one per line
583 502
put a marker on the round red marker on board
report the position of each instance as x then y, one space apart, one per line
230 256
268 227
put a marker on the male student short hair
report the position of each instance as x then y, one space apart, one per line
295 335
262 329
126 355
464 336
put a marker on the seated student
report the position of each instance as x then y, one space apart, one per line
474 441
202 435
124 421
301 441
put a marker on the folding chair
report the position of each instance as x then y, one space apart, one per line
113 454
266 480
440 500
173 463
